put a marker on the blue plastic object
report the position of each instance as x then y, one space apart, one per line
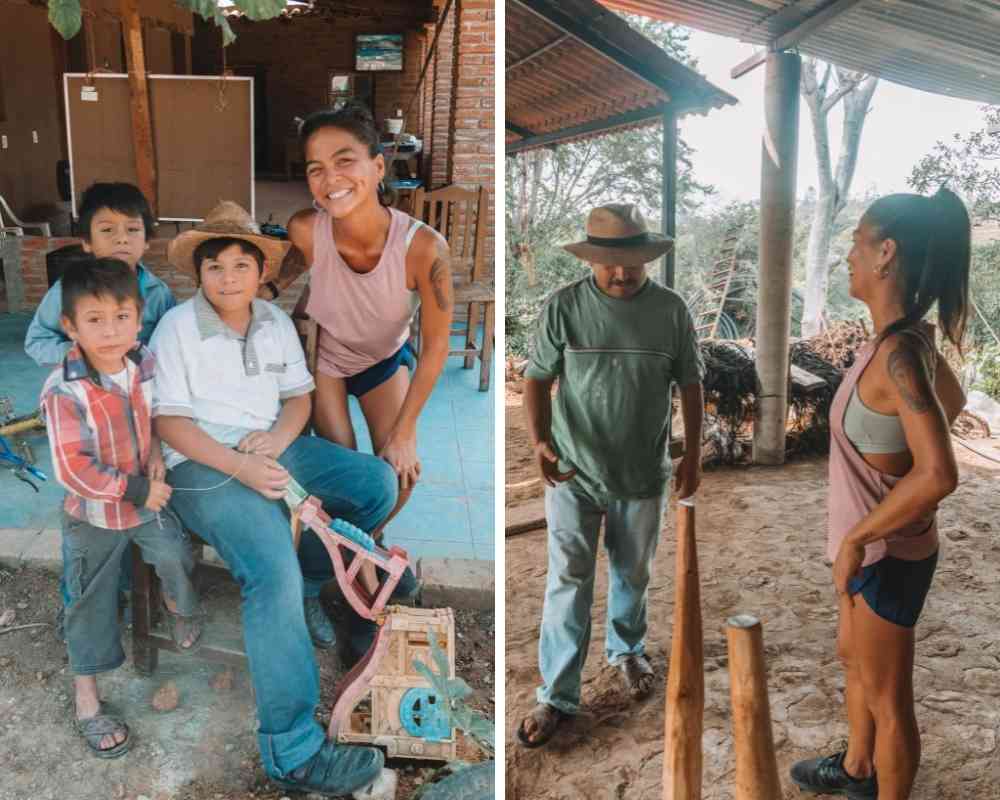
354 533
19 464
421 714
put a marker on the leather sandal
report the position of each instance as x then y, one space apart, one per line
547 719
94 729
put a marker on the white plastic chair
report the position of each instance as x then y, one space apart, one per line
43 227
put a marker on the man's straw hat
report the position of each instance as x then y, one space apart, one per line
231 221
617 235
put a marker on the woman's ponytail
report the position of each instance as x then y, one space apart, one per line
933 247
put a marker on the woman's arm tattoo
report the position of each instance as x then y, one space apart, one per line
909 373
292 266
441 276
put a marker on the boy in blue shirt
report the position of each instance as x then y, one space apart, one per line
117 223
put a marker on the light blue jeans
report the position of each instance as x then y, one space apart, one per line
632 530
251 535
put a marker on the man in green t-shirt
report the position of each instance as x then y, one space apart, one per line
617 342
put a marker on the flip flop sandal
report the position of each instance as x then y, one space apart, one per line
181 628
547 718
634 668
94 729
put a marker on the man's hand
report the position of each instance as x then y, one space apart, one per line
688 476
548 465
847 565
261 443
264 475
159 494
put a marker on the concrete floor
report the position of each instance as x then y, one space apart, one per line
450 514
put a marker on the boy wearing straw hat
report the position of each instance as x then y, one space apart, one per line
231 398
616 341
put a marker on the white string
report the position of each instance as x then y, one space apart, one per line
243 463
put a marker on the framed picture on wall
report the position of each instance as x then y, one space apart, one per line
378 52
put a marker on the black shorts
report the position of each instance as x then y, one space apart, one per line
379 373
896 589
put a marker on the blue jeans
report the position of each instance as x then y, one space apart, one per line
251 535
632 530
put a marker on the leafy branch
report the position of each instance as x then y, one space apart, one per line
66 15
453 692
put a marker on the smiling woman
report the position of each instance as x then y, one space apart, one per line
370 267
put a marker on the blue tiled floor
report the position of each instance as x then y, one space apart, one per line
449 515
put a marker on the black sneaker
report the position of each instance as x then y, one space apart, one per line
320 628
336 770
827 775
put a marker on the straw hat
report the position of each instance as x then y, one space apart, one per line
231 221
617 234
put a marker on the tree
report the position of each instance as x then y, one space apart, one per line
65 15
966 164
821 96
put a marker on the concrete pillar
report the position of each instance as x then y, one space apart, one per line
669 194
777 222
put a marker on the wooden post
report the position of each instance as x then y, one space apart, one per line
669 191
777 223
142 127
756 765
686 682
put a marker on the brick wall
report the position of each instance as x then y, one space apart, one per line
298 55
441 87
35 248
472 141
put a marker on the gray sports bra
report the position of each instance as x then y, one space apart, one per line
872 432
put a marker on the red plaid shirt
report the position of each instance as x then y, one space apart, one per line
100 438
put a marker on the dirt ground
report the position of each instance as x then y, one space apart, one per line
760 534
205 749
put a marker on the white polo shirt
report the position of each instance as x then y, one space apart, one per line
228 385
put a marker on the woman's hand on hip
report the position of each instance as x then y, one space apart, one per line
847 565
400 451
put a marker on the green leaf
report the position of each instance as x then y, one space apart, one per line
209 11
65 17
260 9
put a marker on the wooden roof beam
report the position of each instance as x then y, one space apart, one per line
798 30
555 16
513 127
537 53
587 128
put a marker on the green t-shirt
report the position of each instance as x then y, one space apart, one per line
615 360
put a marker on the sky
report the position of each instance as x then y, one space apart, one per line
902 127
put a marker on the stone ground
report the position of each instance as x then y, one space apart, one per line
205 749
759 545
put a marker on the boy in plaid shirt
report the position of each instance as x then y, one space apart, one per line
97 405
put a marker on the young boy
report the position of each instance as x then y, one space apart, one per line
97 406
232 396
116 223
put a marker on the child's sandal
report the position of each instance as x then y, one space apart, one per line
183 628
94 729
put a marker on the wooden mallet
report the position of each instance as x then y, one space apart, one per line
756 765
686 681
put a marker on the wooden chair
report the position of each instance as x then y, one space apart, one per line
460 215
44 229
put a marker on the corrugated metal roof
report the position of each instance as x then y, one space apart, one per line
582 71
949 47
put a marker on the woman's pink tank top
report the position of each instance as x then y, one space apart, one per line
363 317
856 488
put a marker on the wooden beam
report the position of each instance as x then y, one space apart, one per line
142 127
532 56
811 24
513 127
749 64
791 35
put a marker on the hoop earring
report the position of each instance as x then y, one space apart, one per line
317 206
381 187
